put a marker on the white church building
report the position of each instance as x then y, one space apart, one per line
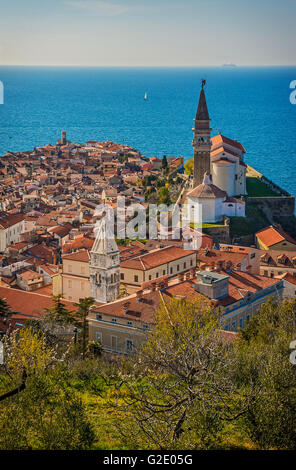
219 171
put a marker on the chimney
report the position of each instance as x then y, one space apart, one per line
158 285
220 264
165 282
192 273
139 293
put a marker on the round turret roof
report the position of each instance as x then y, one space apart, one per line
207 190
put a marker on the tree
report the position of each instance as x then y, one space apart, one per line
164 163
81 320
188 166
263 361
164 196
180 389
44 413
5 310
59 313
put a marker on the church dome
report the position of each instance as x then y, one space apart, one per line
207 190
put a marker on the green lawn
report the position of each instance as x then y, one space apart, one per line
256 188
204 225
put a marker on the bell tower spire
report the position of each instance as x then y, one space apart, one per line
104 265
201 139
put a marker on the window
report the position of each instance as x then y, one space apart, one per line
156 274
114 320
150 277
184 265
163 272
265 273
233 325
129 323
114 343
70 268
178 267
136 278
99 336
129 345
69 283
241 322
99 317
248 318
171 270
253 255
191 262
121 276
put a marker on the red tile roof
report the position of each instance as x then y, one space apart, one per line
156 258
8 220
81 255
271 236
221 139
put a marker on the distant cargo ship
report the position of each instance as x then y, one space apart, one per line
229 65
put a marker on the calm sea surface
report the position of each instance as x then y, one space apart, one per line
248 104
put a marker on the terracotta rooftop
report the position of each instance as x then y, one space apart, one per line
80 255
7 220
213 256
271 236
156 258
221 139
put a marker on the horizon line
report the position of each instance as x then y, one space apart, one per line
148 66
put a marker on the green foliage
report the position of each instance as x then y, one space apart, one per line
164 196
45 413
164 163
180 390
83 308
188 166
59 313
5 310
263 364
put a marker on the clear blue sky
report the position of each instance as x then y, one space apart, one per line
151 32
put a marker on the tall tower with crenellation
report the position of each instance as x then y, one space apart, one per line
104 266
201 140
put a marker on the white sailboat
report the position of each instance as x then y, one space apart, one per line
146 96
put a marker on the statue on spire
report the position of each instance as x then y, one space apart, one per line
203 83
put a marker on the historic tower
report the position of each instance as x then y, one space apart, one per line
104 266
201 140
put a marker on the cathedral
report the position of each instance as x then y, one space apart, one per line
219 175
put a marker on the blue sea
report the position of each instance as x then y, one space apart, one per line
248 104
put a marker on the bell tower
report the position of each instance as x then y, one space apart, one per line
104 266
201 140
